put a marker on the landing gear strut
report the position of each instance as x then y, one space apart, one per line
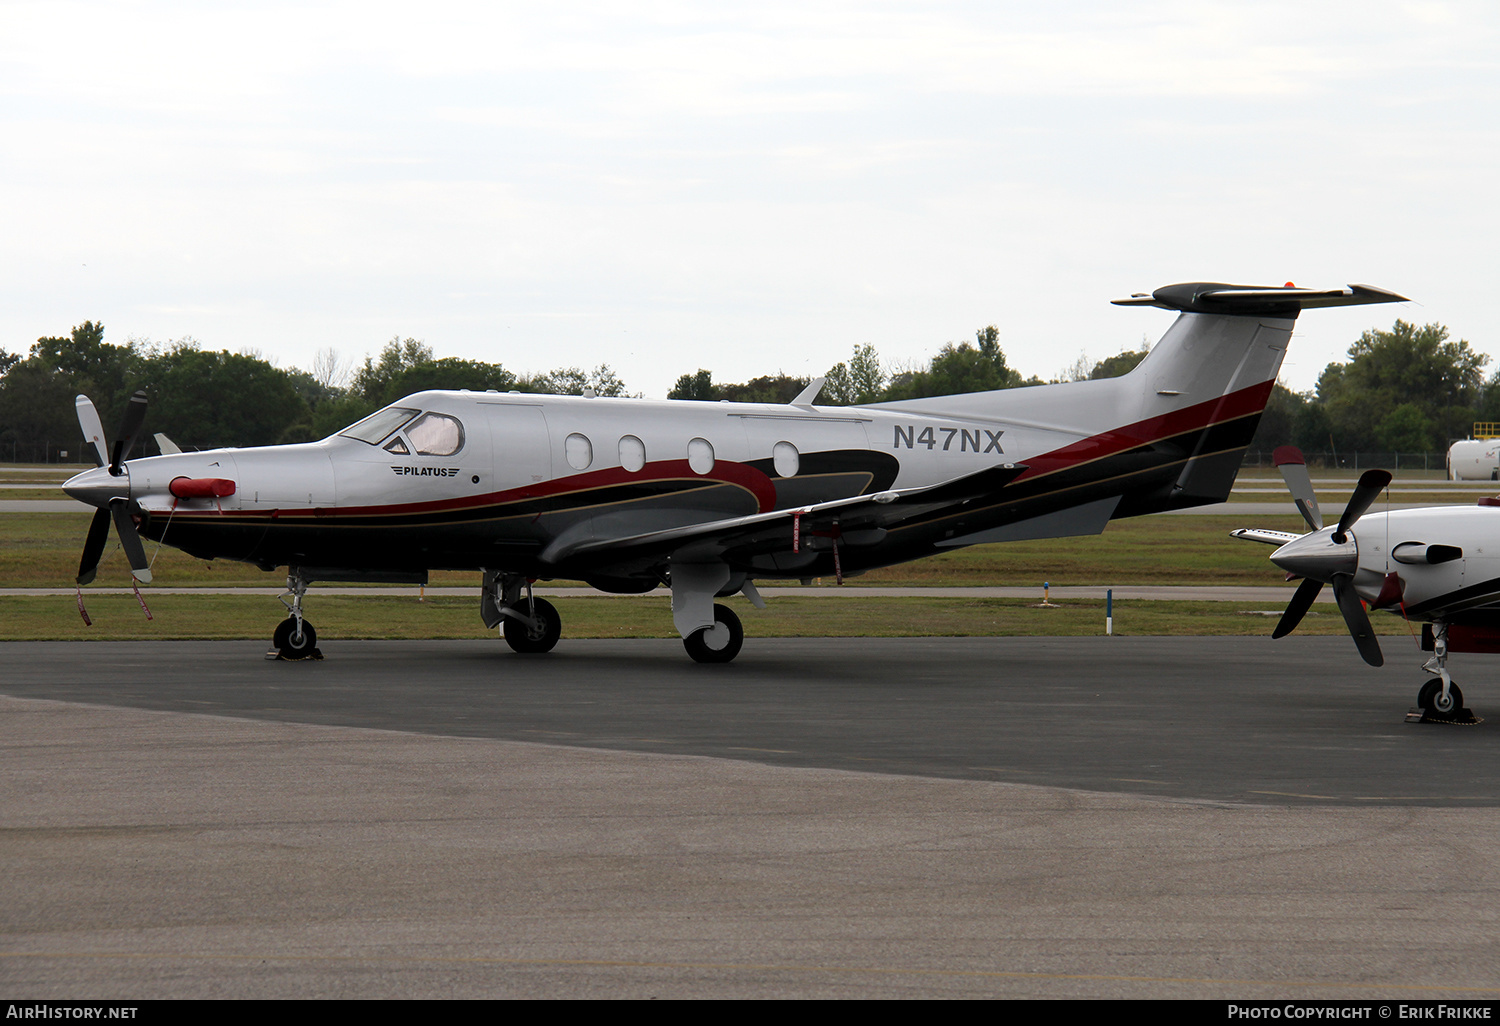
530 625
295 637
1440 700
711 633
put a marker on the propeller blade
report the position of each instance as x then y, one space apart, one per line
1288 460
93 428
130 426
1296 609
1357 619
1367 491
130 541
93 546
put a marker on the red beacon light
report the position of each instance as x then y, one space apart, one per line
201 487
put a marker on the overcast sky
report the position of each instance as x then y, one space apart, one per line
664 186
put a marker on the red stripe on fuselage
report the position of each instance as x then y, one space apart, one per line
1234 405
760 487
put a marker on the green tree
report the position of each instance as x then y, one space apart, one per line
861 380
106 373
769 388
1406 429
1120 363
1278 424
575 381
37 416
203 399
408 365
960 368
699 386
1441 379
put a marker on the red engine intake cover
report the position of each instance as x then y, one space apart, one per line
201 487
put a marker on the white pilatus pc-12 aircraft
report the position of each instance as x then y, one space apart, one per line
707 497
1427 565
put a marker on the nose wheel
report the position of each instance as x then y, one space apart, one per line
294 637
1431 698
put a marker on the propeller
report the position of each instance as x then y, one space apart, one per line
1324 557
102 488
1288 460
1371 484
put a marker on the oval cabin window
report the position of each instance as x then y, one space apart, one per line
701 455
786 459
632 453
579 450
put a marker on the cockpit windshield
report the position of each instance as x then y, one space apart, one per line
379 424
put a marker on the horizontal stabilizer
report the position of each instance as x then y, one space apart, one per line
1256 300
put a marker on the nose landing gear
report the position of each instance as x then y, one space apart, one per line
1440 700
294 637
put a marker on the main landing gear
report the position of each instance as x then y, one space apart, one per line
719 643
1440 700
530 625
711 633
294 637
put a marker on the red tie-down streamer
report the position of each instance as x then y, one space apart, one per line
833 533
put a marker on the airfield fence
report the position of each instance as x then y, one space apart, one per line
1411 461
13 450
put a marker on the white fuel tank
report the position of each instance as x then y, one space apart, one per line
1474 460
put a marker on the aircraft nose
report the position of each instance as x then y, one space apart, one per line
97 487
1317 556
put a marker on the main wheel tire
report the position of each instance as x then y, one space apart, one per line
290 643
529 640
1431 694
719 643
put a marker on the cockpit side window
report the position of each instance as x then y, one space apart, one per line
436 434
397 446
379 424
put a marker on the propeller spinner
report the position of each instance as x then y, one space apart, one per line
108 488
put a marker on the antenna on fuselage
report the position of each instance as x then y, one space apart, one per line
809 395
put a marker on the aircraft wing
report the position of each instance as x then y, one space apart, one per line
876 510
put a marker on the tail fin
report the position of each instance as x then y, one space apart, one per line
1223 355
1194 401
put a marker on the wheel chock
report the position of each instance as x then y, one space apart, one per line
313 654
1463 717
